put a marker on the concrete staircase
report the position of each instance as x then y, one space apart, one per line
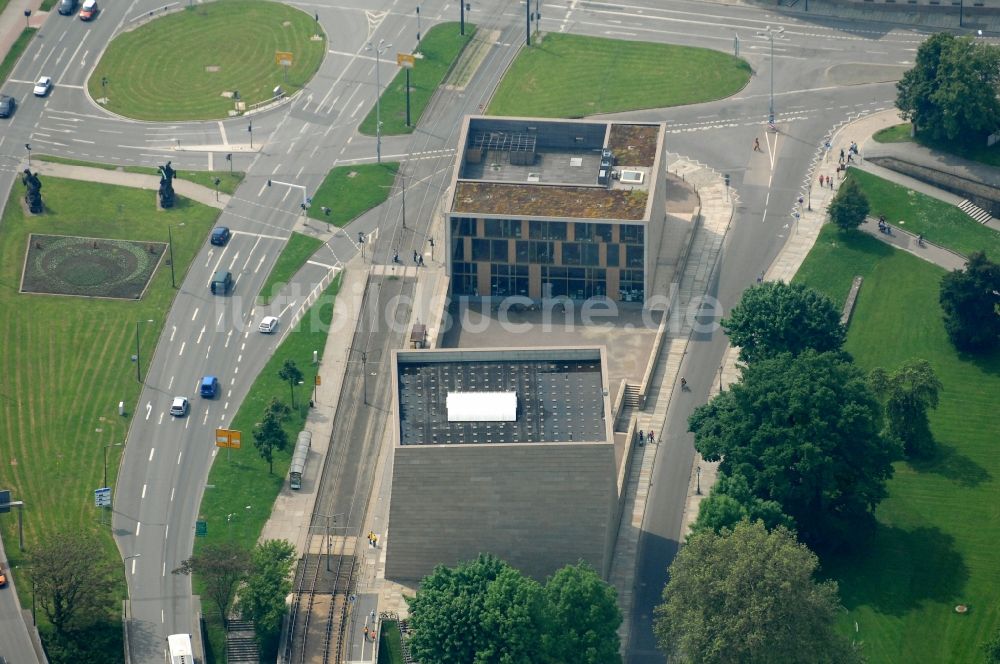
241 645
977 213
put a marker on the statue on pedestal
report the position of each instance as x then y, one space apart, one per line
33 197
167 175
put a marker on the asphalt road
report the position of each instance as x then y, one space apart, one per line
824 72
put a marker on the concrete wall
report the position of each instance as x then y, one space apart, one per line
537 506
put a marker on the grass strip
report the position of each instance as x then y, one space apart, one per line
67 361
390 646
296 252
940 222
979 152
571 76
241 477
935 543
14 54
440 48
227 181
350 191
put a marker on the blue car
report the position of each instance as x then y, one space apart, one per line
209 387
220 236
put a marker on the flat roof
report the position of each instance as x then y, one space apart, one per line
556 168
549 201
556 400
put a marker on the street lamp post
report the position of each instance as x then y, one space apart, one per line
379 50
125 569
170 240
720 377
27 19
138 359
697 489
27 146
418 24
329 518
250 129
770 35
217 182
104 87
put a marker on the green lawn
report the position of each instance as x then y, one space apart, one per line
240 477
570 76
16 49
178 67
440 47
980 152
350 191
936 542
390 650
297 251
227 181
66 361
939 222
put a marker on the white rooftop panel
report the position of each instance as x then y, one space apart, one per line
482 406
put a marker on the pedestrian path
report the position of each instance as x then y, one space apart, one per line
913 244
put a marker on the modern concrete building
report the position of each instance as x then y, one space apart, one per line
501 451
556 208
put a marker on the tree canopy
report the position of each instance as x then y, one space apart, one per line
849 207
732 501
748 595
262 597
292 374
74 582
221 566
775 317
907 393
269 435
804 431
486 612
951 92
970 299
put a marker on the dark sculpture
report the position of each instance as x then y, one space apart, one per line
167 175
34 195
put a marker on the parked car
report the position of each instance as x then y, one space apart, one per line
89 10
3 577
67 7
179 408
209 387
43 86
268 325
220 236
6 106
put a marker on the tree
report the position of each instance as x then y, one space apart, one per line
221 566
278 408
951 92
992 649
732 501
970 299
268 436
291 373
584 617
262 597
849 207
775 317
74 583
804 432
447 612
748 595
486 612
907 393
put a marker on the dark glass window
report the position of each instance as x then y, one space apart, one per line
603 231
583 232
613 255
480 250
630 285
570 253
542 252
632 234
463 226
547 230
458 249
464 279
522 247
633 255
590 254
499 250
502 228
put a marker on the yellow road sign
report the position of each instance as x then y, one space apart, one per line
228 438
405 60
283 58
318 381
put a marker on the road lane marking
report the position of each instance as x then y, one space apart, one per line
233 262
219 322
183 344
172 490
164 572
243 346
179 456
222 130
143 491
166 531
195 314
201 334
228 336
173 331
226 406
239 358
160 421
152 453
133 566
208 352
149 408
138 527
259 263
229 394
252 249
205 420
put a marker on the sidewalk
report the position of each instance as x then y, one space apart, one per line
12 22
195 192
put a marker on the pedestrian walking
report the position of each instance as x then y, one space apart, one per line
642 435
821 181
842 155
395 257
366 632
420 261
651 439
829 181
756 145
